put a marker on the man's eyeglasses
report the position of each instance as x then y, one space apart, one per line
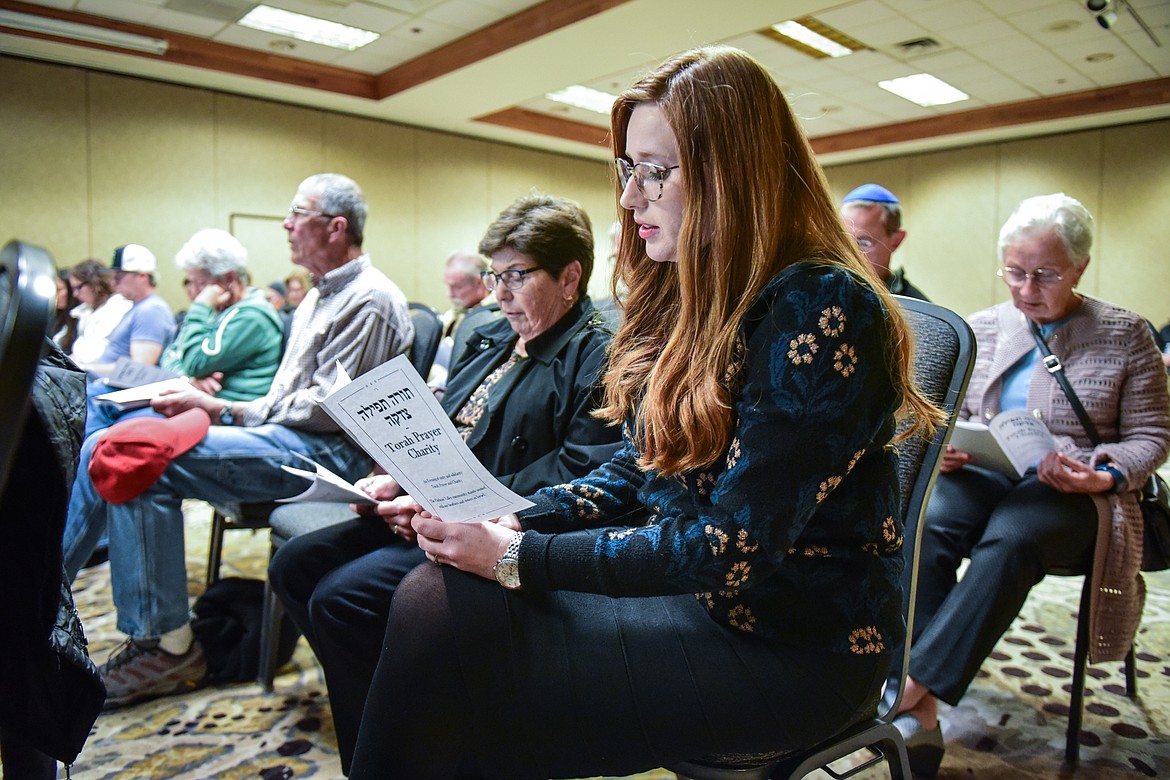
295 211
1015 277
513 278
648 177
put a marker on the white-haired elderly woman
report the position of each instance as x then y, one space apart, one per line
231 339
1075 501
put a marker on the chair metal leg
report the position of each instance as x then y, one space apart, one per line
1072 748
1131 673
270 621
215 546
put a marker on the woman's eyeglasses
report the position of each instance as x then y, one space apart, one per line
1015 277
513 278
648 177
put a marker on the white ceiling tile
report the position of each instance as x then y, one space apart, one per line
369 17
942 17
236 35
890 32
187 23
128 10
510 7
853 18
426 32
465 15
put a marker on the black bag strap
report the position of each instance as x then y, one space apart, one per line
1052 363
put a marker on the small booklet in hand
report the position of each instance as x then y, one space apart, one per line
140 397
324 485
1011 443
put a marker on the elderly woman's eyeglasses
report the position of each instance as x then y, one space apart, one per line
648 177
513 278
1015 277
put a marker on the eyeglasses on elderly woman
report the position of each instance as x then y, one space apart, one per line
513 278
1016 277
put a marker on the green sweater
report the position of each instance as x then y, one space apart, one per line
243 341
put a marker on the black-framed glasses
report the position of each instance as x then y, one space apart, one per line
648 177
295 211
1015 277
513 278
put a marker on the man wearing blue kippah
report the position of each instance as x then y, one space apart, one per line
873 215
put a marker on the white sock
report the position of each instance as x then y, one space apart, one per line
177 642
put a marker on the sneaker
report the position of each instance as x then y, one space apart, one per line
141 670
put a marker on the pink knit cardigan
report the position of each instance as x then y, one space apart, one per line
1113 365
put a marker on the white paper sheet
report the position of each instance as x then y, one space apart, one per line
392 414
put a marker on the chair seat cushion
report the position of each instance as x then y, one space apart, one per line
292 520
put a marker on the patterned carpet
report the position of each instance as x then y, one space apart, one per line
1010 725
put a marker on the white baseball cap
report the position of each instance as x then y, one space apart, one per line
134 258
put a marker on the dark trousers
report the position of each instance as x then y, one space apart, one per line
1013 533
336 584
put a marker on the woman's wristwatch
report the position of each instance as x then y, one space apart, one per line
507 569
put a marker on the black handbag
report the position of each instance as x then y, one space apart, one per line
1155 496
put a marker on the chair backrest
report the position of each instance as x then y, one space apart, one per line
944 354
28 295
477 316
428 332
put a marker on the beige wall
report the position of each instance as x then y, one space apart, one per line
92 161
954 203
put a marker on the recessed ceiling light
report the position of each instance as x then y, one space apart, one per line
584 97
924 89
813 37
799 32
307 28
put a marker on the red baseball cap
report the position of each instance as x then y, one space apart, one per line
133 454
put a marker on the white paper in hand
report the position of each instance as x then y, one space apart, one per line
324 485
392 415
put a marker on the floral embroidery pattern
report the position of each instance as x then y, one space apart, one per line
802 348
705 483
707 600
864 641
742 618
816 551
891 535
832 321
733 453
738 575
741 541
586 509
717 538
622 534
827 487
845 360
853 462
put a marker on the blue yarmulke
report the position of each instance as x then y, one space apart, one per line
874 192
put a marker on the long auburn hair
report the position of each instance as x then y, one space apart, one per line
756 202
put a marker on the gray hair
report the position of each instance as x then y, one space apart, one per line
1071 221
214 251
468 263
891 212
340 196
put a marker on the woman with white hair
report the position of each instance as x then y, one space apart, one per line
230 342
1073 500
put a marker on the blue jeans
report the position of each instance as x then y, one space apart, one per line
148 570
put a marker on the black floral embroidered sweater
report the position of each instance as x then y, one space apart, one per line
795 535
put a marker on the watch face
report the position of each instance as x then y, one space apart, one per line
508 573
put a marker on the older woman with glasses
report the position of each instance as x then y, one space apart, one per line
522 395
1074 500
728 581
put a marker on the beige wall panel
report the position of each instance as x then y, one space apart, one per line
151 163
382 159
1069 163
592 185
892 173
953 223
1132 250
451 207
43 159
